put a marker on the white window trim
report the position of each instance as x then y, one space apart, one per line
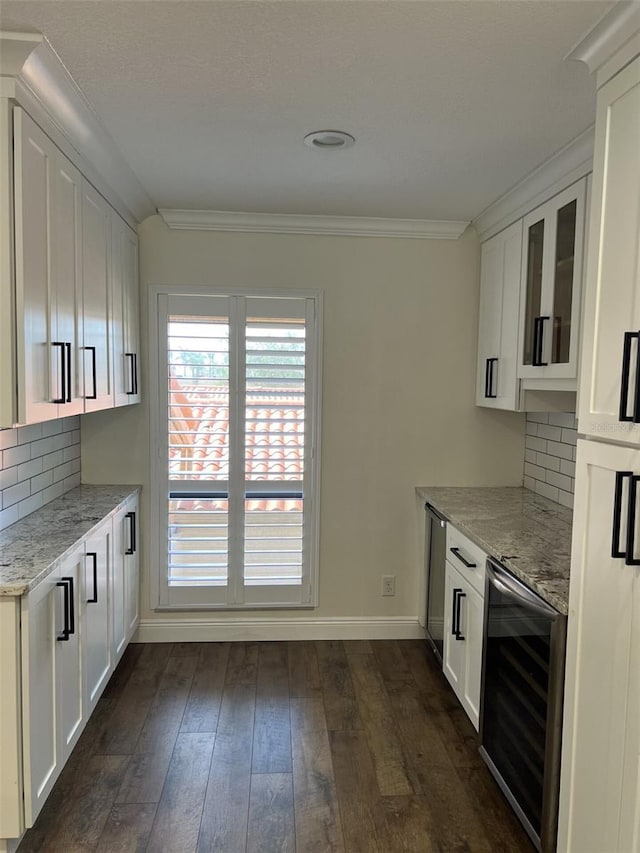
157 500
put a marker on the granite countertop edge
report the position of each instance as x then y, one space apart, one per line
527 533
32 548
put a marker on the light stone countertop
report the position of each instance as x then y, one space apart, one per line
32 548
530 535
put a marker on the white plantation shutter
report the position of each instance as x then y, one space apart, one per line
238 395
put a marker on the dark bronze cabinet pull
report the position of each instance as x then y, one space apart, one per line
132 533
456 552
94 395
69 609
538 340
458 595
94 558
63 372
489 378
624 382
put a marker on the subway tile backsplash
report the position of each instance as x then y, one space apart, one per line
38 463
550 454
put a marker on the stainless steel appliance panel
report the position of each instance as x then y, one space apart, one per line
521 707
435 555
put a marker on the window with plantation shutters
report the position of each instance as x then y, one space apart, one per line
236 436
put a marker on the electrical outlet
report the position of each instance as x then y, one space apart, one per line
388 584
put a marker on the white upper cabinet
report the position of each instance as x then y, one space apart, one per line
66 264
553 237
48 276
529 316
126 336
69 327
98 353
497 383
609 405
34 158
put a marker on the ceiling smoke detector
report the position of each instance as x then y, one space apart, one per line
330 140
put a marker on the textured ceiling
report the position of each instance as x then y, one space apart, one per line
451 103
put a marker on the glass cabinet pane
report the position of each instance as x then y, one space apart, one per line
535 245
563 282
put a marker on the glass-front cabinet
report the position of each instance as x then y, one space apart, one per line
551 279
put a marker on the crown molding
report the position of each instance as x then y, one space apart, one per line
613 32
43 86
562 169
285 223
15 49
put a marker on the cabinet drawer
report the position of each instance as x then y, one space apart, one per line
461 550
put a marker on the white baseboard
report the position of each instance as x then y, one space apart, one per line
174 630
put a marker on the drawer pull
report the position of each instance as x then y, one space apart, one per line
456 552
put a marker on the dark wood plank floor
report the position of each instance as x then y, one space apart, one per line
357 747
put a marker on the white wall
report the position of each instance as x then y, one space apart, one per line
399 372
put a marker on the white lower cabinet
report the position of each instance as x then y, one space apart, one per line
60 644
125 594
132 569
96 611
464 620
69 665
52 695
600 785
41 625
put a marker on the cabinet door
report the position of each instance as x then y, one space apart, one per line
119 584
96 611
609 405
8 397
551 280
497 384
453 652
124 263
471 626
98 344
66 265
69 662
39 376
601 739
43 621
464 619
132 568
131 312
